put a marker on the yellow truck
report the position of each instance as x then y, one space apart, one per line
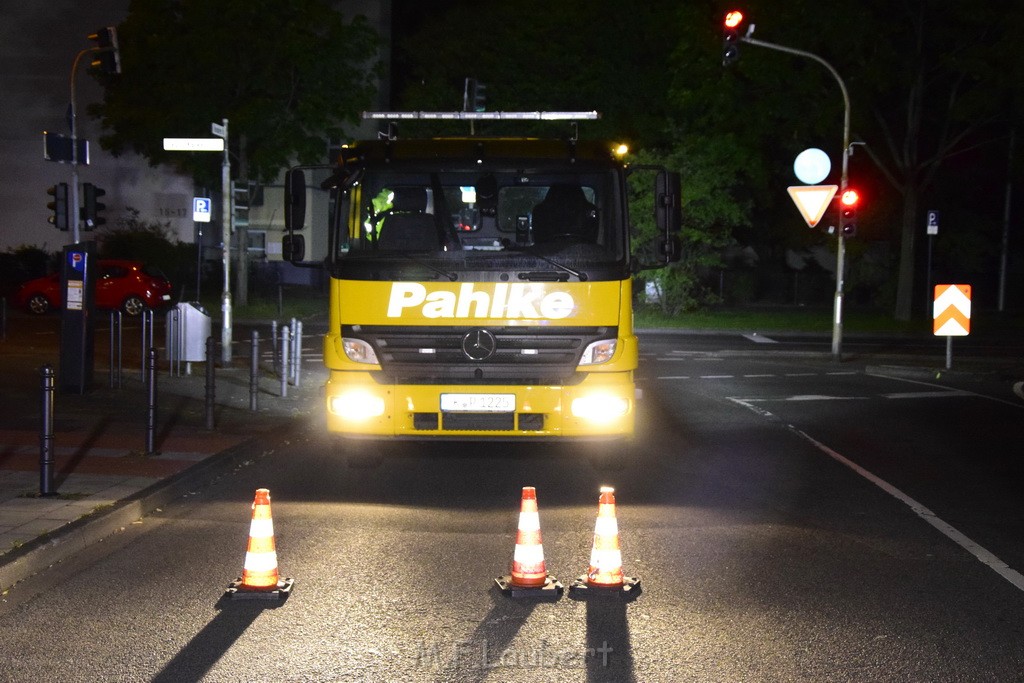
480 287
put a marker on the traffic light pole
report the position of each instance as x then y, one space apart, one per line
837 319
75 214
225 302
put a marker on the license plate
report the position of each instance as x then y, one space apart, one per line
478 403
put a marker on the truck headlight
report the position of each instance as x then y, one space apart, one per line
359 351
357 405
599 407
599 352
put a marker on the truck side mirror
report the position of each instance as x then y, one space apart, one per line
294 199
667 197
293 248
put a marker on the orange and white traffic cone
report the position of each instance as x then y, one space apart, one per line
260 578
529 577
605 573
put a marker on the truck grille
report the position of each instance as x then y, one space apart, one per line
491 355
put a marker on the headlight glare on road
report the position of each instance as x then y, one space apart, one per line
599 407
357 405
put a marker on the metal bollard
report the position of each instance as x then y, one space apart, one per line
273 344
291 352
284 361
46 459
116 354
151 406
147 338
254 371
210 379
298 353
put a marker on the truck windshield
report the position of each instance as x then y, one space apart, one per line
484 217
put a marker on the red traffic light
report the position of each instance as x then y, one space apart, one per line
849 198
733 19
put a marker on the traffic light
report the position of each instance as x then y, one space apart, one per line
59 206
239 204
108 54
731 37
91 212
475 96
848 202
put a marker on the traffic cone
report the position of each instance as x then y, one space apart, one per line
605 574
529 577
260 578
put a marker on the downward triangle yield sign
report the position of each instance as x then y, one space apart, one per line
812 200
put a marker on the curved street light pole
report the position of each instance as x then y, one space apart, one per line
837 318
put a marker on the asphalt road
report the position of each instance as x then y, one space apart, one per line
790 518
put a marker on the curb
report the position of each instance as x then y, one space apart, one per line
56 546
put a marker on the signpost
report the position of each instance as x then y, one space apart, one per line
201 213
202 205
931 229
951 313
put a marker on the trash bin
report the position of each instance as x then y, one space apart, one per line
188 326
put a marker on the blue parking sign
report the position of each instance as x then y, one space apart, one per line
201 209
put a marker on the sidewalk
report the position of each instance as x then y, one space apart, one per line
103 478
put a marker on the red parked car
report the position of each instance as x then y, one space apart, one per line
130 286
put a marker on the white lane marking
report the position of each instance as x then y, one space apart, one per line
799 397
960 392
717 376
755 376
928 394
758 339
985 556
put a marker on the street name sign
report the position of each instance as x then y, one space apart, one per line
812 200
194 144
951 310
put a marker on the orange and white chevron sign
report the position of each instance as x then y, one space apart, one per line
951 310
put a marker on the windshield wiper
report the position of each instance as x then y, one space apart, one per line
542 275
452 277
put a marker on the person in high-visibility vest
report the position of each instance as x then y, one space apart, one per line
384 201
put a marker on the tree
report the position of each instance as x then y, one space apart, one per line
925 74
927 101
539 55
287 76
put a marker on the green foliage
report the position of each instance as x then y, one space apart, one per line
132 237
35 261
541 55
287 75
934 89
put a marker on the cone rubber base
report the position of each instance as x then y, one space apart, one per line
236 591
551 590
629 589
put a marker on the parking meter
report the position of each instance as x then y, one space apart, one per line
78 319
